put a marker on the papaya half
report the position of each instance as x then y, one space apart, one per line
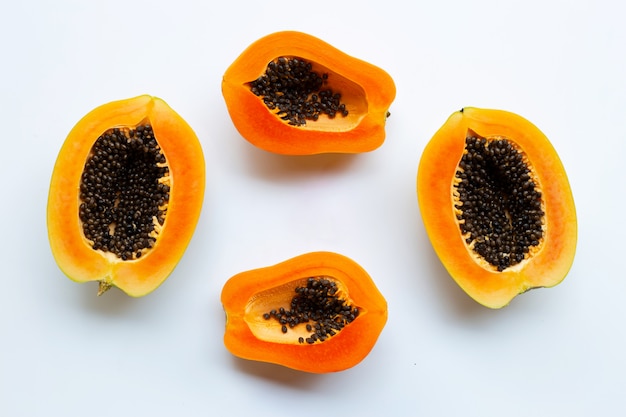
318 312
292 93
125 195
497 205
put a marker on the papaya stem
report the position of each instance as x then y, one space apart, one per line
103 287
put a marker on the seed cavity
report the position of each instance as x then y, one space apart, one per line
296 93
318 307
498 202
124 192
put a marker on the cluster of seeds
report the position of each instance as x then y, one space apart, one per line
122 192
295 91
500 206
318 307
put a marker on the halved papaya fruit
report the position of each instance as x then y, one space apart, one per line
318 312
497 205
125 195
292 93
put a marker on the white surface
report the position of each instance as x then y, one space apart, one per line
558 351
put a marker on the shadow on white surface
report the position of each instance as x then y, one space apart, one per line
275 167
277 375
114 302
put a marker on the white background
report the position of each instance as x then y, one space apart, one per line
559 351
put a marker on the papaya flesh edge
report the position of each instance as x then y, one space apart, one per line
181 147
367 91
437 168
345 349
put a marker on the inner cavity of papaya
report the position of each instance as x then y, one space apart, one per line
498 202
124 192
302 312
308 95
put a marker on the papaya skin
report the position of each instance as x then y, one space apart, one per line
367 91
545 268
72 252
275 285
